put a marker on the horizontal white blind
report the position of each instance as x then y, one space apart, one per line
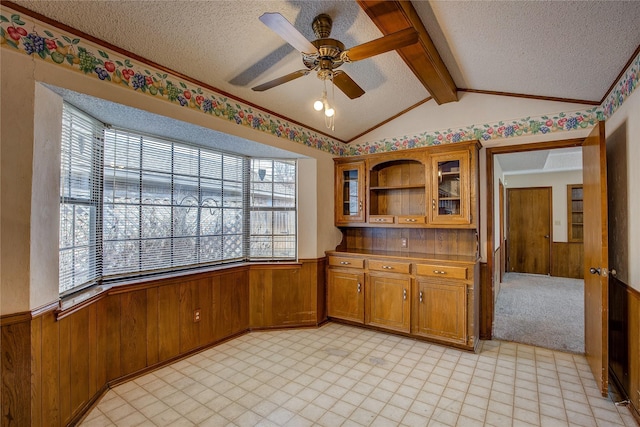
273 227
80 200
169 205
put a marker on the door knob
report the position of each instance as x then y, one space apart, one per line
546 236
594 271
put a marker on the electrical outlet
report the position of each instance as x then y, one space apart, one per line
404 242
196 315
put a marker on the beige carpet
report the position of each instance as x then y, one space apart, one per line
541 310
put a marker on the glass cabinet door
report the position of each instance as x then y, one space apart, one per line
450 189
349 193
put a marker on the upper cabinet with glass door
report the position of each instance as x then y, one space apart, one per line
450 188
350 192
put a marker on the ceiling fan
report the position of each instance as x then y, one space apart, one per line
325 54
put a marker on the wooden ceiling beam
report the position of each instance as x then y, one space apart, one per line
423 57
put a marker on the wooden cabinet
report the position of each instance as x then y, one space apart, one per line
428 187
450 189
440 310
345 288
388 303
408 261
417 296
349 191
397 192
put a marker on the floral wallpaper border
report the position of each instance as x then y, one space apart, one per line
49 44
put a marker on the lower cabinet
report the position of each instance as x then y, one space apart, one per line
440 310
388 302
345 295
434 300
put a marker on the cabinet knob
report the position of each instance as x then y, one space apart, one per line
360 205
345 262
439 272
433 204
404 294
410 220
387 267
359 288
420 296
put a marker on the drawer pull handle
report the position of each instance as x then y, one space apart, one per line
344 263
404 294
410 220
420 296
387 267
359 288
433 204
439 272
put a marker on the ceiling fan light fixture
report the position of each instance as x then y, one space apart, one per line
328 111
318 105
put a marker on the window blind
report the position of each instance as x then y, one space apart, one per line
80 200
169 205
134 204
273 209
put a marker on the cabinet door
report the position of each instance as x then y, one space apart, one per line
450 188
441 310
349 193
388 302
345 295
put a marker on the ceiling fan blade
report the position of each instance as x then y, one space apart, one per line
347 85
287 31
393 41
280 80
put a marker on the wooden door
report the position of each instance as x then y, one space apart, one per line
529 230
441 309
345 291
388 302
596 257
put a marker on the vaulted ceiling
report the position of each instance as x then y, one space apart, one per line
570 50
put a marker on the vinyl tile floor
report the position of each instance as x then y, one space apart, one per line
339 375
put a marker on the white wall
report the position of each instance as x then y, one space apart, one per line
558 182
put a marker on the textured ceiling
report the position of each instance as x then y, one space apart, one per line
561 49
561 159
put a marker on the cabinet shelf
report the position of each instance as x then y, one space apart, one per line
397 187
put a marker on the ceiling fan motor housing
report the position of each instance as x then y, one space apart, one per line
327 58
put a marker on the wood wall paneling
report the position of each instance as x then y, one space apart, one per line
168 322
189 328
79 358
64 327
486 302
49 380
36 372
153 336
567 260
133 331
16 373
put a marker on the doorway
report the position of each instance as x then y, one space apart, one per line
529 230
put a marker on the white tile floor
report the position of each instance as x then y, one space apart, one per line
339 375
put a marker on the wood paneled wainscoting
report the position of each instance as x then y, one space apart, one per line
56 364
624 341
567 260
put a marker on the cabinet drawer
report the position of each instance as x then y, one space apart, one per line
382 219
411 219
338 261
390 266
442 271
